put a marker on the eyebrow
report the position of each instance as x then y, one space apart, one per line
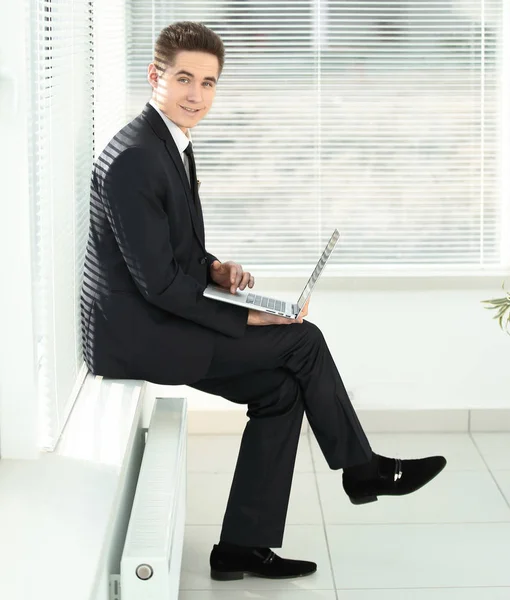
181 72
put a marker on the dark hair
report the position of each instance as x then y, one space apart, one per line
190 36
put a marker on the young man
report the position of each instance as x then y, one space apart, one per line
144 317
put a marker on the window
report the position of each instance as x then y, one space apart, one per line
380 117
61 161
109 71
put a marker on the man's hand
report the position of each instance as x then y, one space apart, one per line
231 275
257 317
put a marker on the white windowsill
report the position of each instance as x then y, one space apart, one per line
56 512
341 280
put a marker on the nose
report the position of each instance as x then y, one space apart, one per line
195 92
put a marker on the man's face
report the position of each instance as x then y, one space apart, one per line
186 90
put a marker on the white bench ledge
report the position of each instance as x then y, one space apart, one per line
57 512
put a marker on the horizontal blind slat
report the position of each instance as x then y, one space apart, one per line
382 118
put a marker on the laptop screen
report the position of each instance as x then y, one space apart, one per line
318 269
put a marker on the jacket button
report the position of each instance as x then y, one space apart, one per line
203 261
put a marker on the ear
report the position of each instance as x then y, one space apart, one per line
152 75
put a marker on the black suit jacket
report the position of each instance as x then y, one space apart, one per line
146 265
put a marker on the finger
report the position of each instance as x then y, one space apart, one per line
245 281
234 282
239 276
252 281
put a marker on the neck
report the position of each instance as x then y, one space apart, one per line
185 130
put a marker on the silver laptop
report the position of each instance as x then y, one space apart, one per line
291 310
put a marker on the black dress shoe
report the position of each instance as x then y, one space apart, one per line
393 477
260 562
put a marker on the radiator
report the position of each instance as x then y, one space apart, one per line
151 560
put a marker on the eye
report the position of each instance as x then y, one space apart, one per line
183 80
208 84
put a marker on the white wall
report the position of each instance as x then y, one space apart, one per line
432 345
18 389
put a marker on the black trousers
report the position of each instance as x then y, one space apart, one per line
280 372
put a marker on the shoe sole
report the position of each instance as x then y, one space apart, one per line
236 575
363 500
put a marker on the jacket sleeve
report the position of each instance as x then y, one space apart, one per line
140 225
210 259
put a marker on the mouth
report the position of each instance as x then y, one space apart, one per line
191 111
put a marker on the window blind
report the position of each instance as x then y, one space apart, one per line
109 71
379 117
61 161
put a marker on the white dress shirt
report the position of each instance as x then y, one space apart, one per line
180 138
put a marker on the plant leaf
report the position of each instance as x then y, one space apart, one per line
501 312
496 301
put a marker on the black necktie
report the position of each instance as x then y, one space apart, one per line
194 187
192 173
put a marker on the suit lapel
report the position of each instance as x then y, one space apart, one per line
162 132
196 216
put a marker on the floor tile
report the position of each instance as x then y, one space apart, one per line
503 480
409 556
218 454
300 542
208 494
261 595
485 593
495 448
458 448
453 497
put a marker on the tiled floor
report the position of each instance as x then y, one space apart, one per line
449 541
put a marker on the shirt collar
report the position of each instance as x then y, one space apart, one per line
180 138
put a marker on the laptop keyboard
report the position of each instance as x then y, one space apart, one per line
266 302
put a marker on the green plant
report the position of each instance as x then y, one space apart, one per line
502 305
